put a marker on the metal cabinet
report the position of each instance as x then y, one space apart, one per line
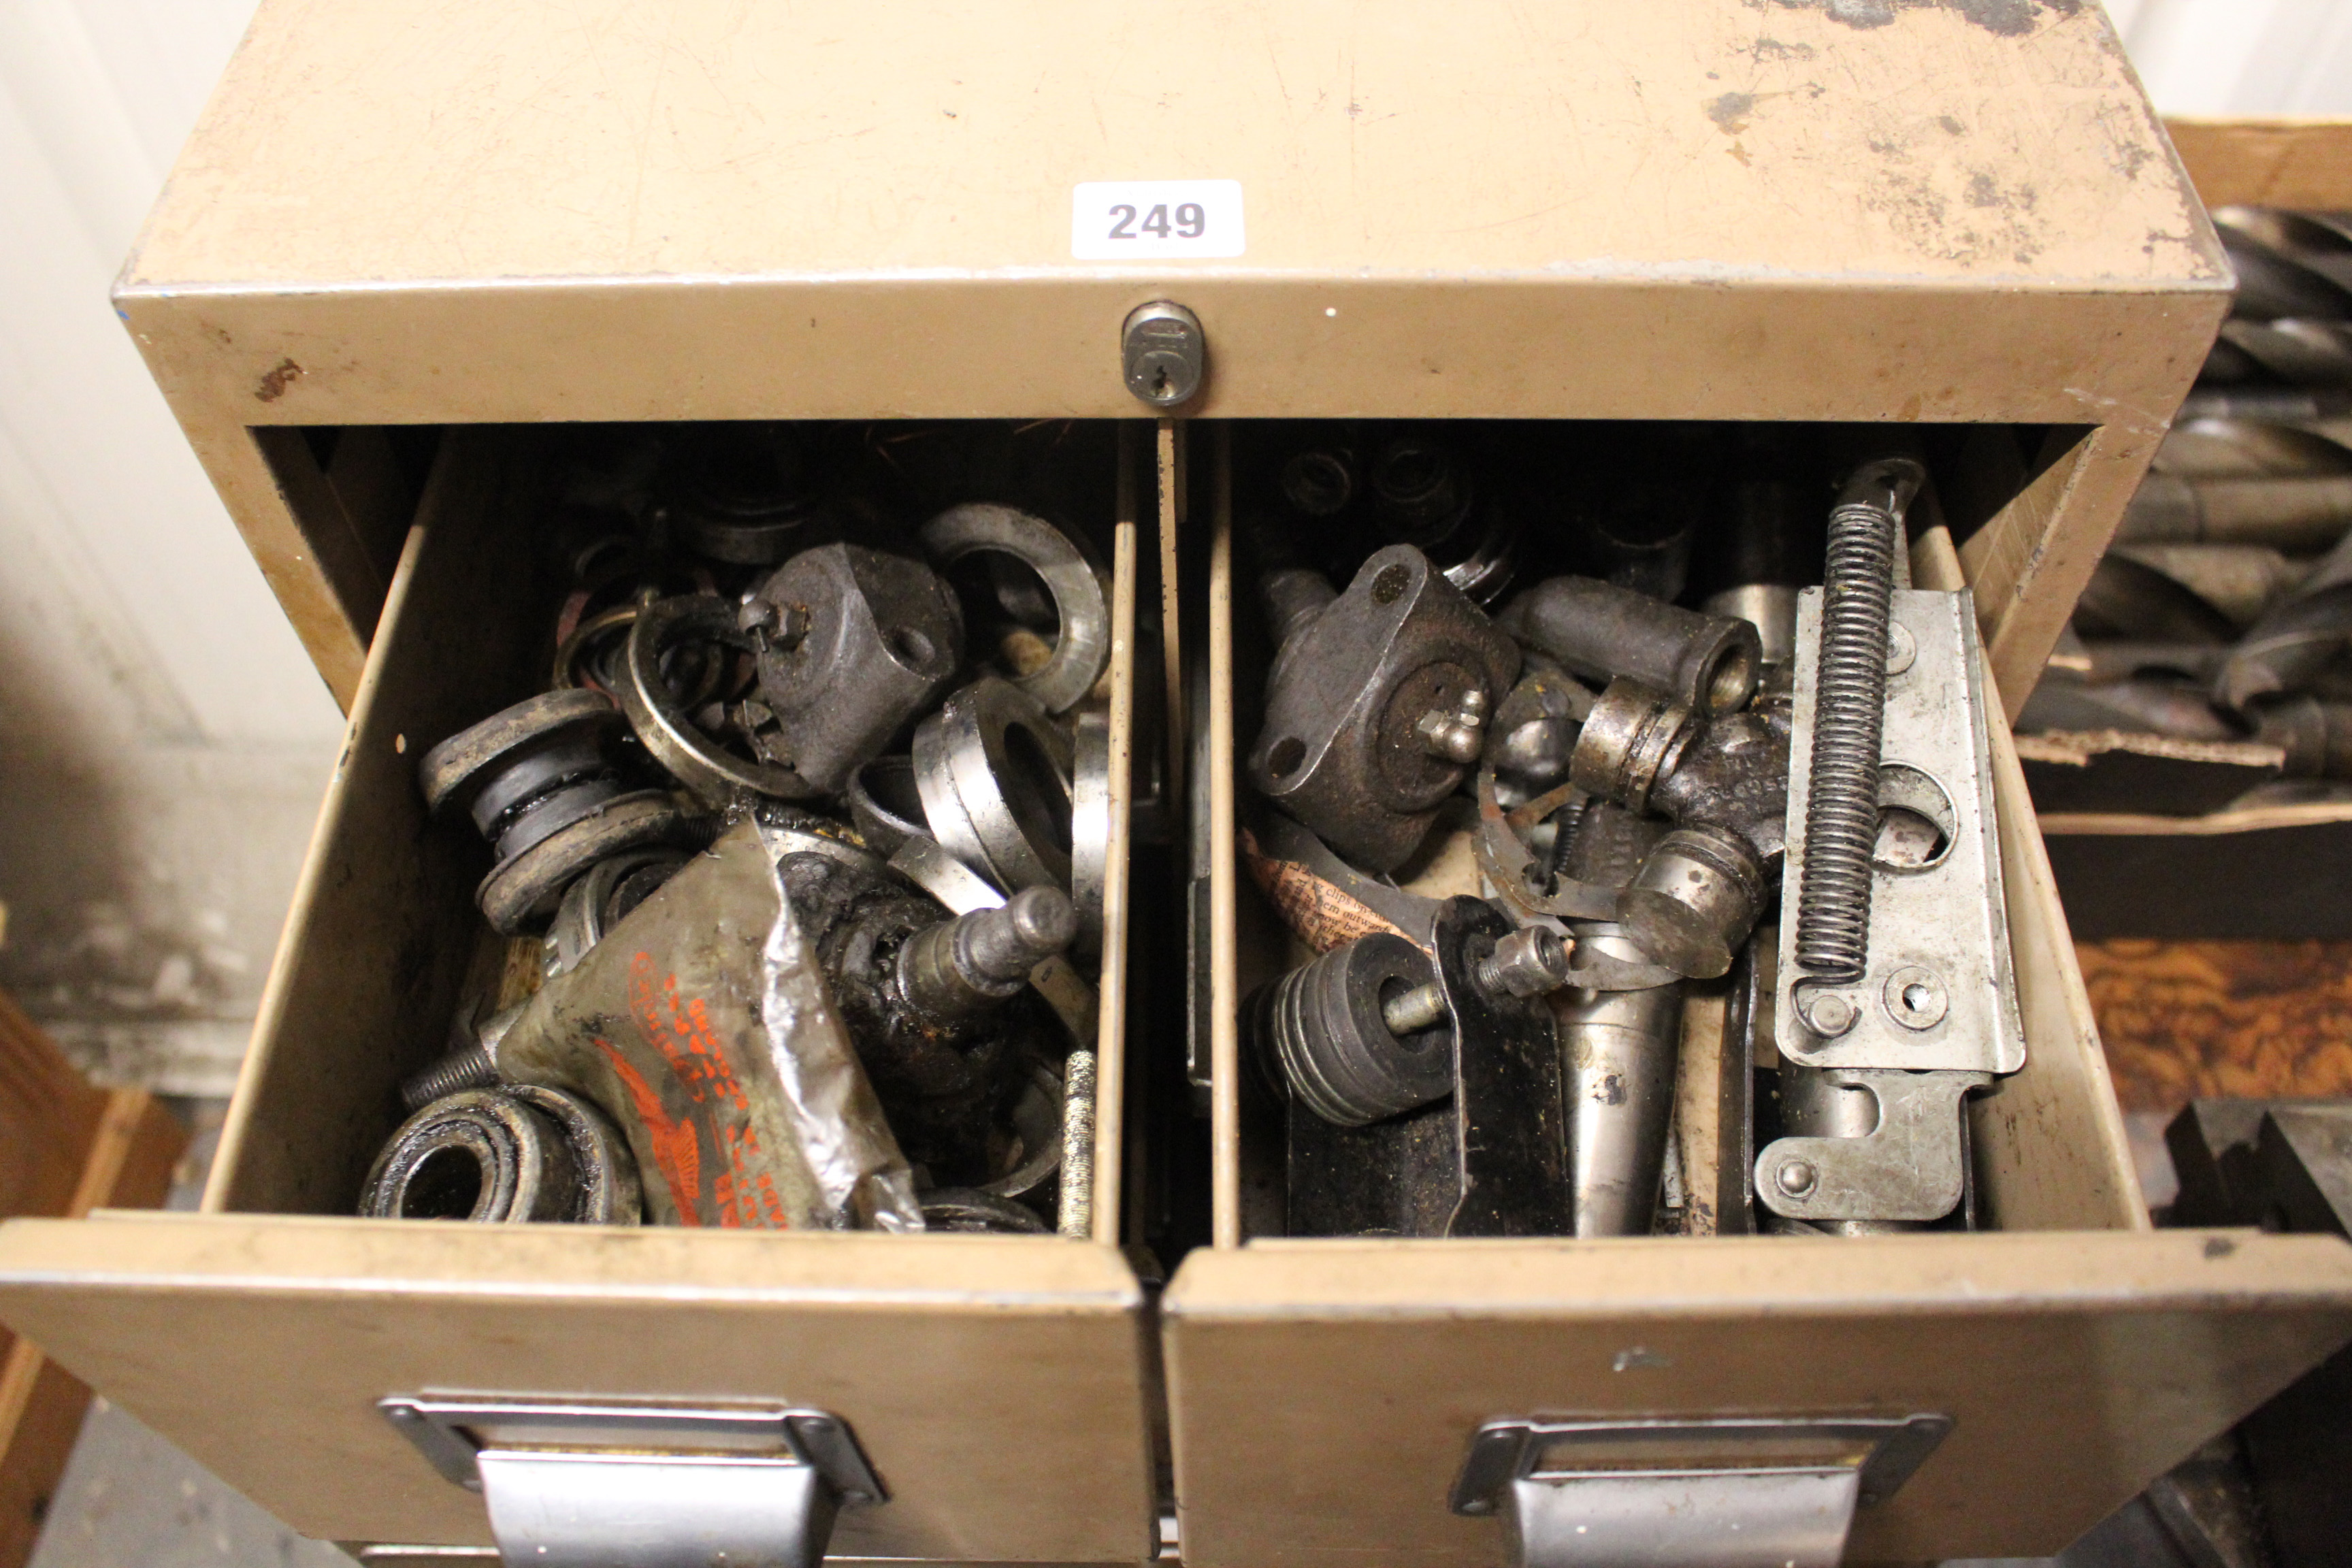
476 218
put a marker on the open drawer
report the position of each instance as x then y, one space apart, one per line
1325 1392
995 1383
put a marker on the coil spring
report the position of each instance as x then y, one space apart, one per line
1848 721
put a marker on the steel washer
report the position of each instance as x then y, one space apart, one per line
971 785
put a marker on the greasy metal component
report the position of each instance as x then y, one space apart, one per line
470 1062
1089 821
853 643
886 804
1910 1166
1034 1120
1635 735
1529 962
1293 595
711 774
600 898
1618 1056
1695 899
505 1155
923 862
1706 663
942 1078
1847 716
1321 480
1534 729
1077 584
1944 914
972 963
1163 354
741 493
538 784
1714 1492
1321 1030
2290 514
968 1211
1342 749
1770 608
1421 495
995 774
2316 736
1489 1161
2129 598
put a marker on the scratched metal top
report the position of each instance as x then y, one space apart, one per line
816 151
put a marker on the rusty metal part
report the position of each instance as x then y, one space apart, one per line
1533 732
743 492
505 1155
599 898
709 771
2126 597
2292 514
539 785
470 1062
1074 579
1343 750
995 774
1321 1030
972 963
1598 630
852 644
886 804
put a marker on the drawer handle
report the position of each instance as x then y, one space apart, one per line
612 1484
1735 1492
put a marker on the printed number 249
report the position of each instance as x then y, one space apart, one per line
1190 222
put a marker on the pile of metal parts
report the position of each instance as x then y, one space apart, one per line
905 711
1515 845
2224 610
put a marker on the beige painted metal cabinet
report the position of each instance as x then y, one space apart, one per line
479 216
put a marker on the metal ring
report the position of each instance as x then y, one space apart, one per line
995 774
884 804
712 775
1037 1116
581 917
1090 822
969 1209
1080 588
527 887
450 771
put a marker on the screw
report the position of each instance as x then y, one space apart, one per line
1796 1178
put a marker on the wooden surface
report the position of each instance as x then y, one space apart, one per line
1573 212
65 1148
2268 162
2188 1020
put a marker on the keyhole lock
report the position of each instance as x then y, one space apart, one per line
1163 352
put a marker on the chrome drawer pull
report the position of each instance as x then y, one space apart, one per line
1738 1493
587 1484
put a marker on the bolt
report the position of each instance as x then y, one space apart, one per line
1458 736
1529 962
1419 1008
1796 1178
1829 1014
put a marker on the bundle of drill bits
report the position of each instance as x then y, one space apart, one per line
2224 610
800 834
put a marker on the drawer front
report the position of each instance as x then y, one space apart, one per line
996 1383
1323 1392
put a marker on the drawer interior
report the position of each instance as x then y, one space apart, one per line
2047 1143
286 1319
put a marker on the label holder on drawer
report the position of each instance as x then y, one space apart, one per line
579 1483
1746 1492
